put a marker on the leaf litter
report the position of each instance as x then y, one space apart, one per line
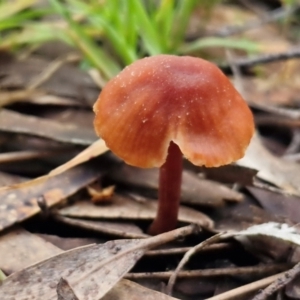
91 271
263 188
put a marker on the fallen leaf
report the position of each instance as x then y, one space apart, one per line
284 206
272 240
67 243
20 249
283 173
14 122
229 174
194 190
91 271
64 291
21 203
124 230
125 290
17 73
126 208
97 148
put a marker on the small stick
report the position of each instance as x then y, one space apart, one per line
279 283
246 289
188 255
261 270
182 250
51 69
246 62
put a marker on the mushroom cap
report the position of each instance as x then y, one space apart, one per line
167 98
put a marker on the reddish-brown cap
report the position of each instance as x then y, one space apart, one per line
167 98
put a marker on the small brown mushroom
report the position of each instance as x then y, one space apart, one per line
163 106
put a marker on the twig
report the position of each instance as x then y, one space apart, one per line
28 155
174 251
279 283
280 111
246 289
51 69
188 255
261 270
265 58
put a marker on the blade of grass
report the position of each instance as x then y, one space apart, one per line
129 25
163 19
182 17
113 32
209 42
10 8
32 34
93 53
118 42
20 18
145 26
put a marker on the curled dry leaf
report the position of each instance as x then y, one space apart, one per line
64 291
91 271
126 208
275 170
272 240
21 203
94 150
99 195
194 190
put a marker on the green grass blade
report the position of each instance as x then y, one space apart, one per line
21 18
164 18
110 24
12 7
146 27
93 53
181 21
241 44
32 34
117 40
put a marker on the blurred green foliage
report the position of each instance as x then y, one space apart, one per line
109 33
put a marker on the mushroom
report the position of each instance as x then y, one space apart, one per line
163 106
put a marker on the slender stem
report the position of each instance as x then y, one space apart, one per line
169 192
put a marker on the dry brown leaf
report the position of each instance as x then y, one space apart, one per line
94 150
126 208
272 240
283 173
97 148
64 291
68 133
229 174
269 37
21 203
100 195
124 230
277 84
128 290
67 243
16 73
284 206
20 249
194 189
91 271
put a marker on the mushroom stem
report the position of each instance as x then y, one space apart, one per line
169 192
